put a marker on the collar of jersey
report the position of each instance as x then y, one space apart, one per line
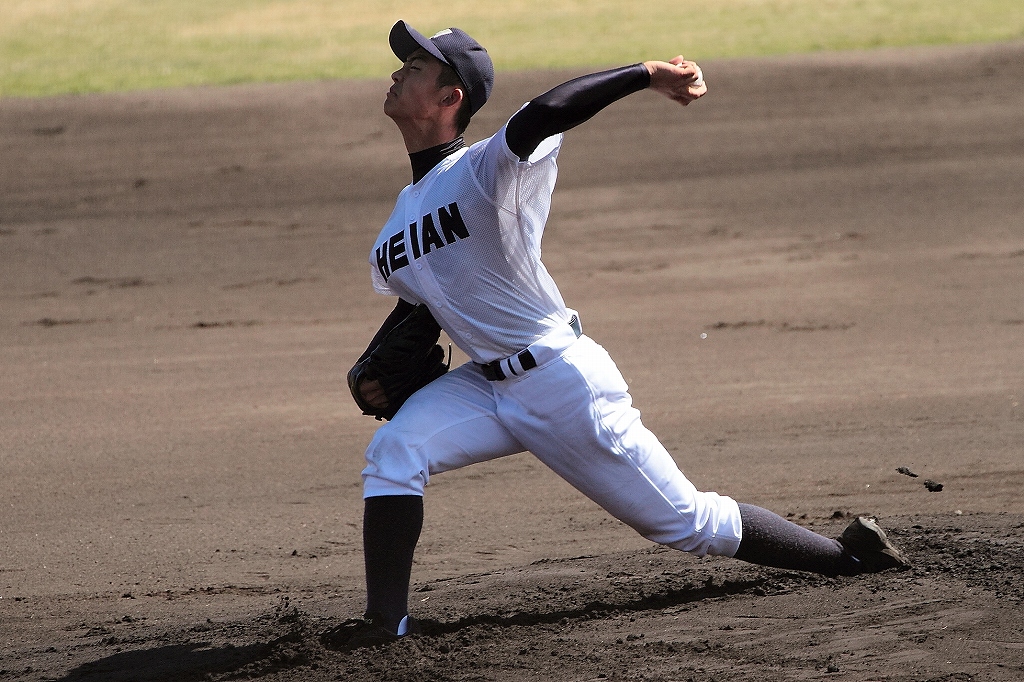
426 160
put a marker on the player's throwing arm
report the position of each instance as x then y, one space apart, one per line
678 79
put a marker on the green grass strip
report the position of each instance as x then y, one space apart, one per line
51 47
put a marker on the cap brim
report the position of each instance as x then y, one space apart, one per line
405 40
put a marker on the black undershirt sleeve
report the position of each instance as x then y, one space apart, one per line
570 104
402 309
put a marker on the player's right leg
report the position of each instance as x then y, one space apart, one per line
576 415
588 432
770 540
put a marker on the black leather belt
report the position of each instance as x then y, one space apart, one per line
496 370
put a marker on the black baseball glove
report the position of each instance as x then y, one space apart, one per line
405 360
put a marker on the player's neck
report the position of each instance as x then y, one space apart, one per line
424 160
420 135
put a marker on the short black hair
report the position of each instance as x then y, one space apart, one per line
449 77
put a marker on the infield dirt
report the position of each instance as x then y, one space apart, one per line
810 278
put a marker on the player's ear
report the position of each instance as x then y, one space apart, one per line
453 98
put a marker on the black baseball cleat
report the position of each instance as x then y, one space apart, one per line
868 544
370 630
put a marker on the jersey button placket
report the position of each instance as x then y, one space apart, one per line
412 220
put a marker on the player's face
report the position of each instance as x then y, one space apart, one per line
414 93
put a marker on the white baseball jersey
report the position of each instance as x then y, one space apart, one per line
465 241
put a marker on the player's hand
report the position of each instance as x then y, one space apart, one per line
373 393
678 79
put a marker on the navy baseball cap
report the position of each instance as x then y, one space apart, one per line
455 48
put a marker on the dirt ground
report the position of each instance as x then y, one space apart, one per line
810 278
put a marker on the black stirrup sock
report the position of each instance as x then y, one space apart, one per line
391 528
770 540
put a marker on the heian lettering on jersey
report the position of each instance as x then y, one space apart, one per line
394 253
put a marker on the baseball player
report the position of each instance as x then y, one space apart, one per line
464 243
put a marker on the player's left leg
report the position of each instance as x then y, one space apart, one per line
450 423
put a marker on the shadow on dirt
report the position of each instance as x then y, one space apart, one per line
530 607
665 598
284 641
176 662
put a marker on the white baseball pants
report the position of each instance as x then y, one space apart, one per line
574 413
